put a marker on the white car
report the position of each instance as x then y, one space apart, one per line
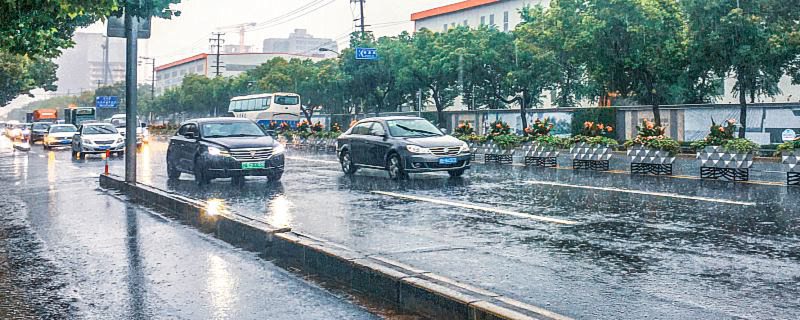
59 135
120 120
97 138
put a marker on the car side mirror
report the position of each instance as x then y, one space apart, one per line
189 135
443 130
143 125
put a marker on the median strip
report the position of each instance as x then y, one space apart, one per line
476 207
646 193
312 160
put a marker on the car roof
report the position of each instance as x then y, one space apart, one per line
219 119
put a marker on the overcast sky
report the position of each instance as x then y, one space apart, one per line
188 34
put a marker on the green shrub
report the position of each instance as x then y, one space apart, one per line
607 116
595 140
788 146
507 141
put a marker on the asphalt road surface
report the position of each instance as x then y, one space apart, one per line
583 244
70 250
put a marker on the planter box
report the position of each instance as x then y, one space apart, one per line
718 163
498 155
539 155
790 161
591 157
645 160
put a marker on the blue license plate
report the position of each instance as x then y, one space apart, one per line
65 141
448 160
102 148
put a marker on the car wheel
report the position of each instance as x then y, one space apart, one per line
199 171
395 167
172 173
347 163
81 155
74 154
456 173
45 147
275 176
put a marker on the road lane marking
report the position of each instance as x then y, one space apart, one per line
313 160
647 193
474 207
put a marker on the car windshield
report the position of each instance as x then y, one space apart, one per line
287 100
40 126
231 129
58 129
412 128
99 129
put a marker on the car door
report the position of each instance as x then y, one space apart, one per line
179 147
358 146
377 144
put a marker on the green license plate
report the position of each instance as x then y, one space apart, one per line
252 165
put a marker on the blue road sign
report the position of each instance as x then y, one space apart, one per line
106 101
366 54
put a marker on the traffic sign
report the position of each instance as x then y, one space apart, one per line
366 54
788 135
116 27
106 102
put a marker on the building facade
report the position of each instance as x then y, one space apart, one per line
87 65
504 15
300 42
230 64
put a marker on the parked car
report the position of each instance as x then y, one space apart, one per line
39 130
59 135
224 148
97 138
401 145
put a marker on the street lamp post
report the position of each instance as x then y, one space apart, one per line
328 50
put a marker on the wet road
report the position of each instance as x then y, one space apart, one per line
70 250
622 246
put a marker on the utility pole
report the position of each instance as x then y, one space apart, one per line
106 68
361 19
131 57
217 43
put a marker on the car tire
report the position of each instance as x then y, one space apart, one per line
74 154
456 173
172 173
275 176
395 167
200 176
45 147
347 163
81 156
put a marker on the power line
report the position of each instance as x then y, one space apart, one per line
217 43
289 17
361 25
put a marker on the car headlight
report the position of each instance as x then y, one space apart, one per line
218 152
464 147
87 141
279 149
417 149
119 140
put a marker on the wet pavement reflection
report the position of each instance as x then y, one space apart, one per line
643 246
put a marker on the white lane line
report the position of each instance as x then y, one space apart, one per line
475 207
312 160
647 193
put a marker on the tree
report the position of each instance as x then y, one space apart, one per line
43 28
20 74
434 67
755 41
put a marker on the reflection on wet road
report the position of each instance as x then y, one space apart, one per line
641 247
120 261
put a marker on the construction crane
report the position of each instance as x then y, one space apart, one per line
242 29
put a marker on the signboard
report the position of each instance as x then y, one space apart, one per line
366 54
788 135
116 27
106 102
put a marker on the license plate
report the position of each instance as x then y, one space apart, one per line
252 165
102 148
65 141
448 161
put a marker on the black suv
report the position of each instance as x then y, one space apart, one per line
224 148
401 145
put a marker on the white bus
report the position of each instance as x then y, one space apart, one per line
268 108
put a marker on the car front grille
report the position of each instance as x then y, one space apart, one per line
104 141
251 154
445 151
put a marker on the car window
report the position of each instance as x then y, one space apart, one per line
99 129
40 126
183 130
231 129
361 128
61 129
377 129
412 128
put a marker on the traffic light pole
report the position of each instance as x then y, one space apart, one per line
131 61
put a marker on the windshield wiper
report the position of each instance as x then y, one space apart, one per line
416 130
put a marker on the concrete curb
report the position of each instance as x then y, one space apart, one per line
402 286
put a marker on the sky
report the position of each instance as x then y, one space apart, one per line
188 34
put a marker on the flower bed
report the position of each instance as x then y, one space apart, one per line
722 156
790 156
540 148
501 149
592 149
651 151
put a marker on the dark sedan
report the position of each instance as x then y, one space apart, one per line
401 145
39 131
224 148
